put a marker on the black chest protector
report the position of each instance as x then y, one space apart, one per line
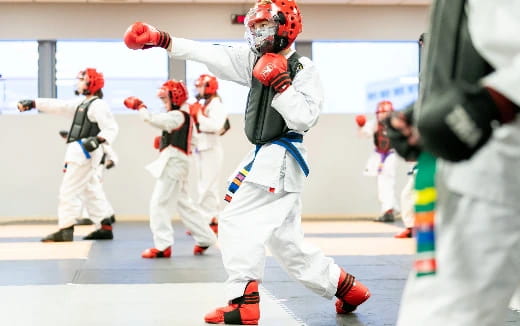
263 123
179 138
450 54
81 126
381 140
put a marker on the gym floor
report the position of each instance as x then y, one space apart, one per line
108 283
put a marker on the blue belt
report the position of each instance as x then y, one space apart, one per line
287 143
87 154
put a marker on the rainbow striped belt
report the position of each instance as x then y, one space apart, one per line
426 197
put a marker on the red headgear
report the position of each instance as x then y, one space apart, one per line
209 82
384 106
95 80
175 90
288 24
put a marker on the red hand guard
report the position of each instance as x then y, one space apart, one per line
361 120
271 70
133 103
195 108
157 142
140 35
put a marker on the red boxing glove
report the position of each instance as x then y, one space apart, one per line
271 70
140 35
157 142
134 103
195 108
361 120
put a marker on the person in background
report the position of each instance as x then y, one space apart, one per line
171 171
210 117
109 160
93 126
407 205
382 162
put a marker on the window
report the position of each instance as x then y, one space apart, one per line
126 72
357 75
19 73
234 96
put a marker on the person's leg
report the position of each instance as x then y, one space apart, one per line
245 225
477 245
194 219
99 209
514 303
386 189
307 264
74 182
162 204
407 209
210 192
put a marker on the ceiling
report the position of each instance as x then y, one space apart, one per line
316 2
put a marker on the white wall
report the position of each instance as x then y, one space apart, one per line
30 166
33 160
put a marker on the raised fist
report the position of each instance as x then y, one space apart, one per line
109 164
26 105
157 142
134 103
140 35
195 108
64 134
271 70
361 120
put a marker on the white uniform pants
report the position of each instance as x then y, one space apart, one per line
81 183
515 300
167 195
478 266
92 185
210 188
408 202
256 218
386 183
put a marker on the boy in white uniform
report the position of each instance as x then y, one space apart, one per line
265 196
92 126
210 117
382 162
171 170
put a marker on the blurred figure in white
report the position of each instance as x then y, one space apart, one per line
382 162
171 170
407 204
211 122
93 126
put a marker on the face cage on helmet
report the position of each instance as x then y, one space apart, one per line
264 40
261 40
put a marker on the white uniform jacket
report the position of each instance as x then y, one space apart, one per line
98 112
210 124
300 106
175 159
492 26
